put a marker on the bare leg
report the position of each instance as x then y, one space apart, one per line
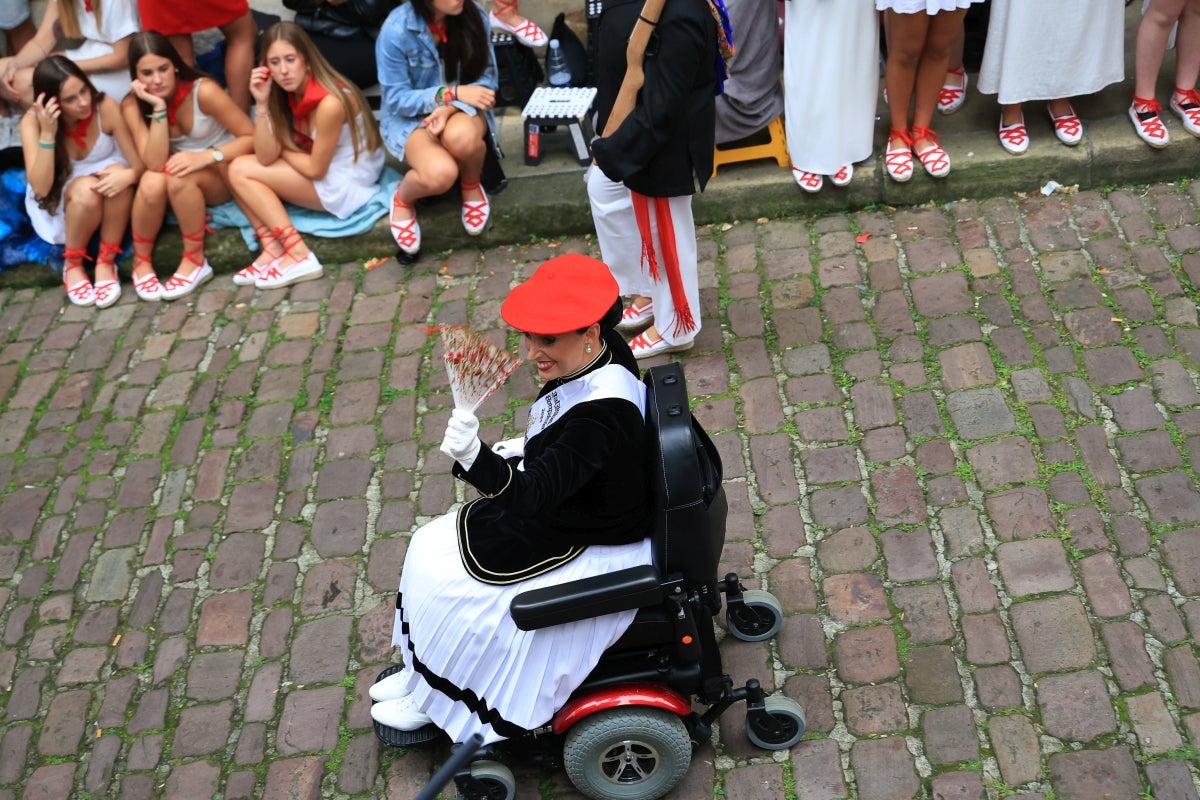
260 191
149 205
931 69
240 38
906 39
1152 35
1187 46
83 210
186 47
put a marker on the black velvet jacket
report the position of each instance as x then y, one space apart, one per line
669 135
584 482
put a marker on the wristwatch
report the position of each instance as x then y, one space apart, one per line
218 156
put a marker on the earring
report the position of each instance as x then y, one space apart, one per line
587 348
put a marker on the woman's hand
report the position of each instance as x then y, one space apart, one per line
435 123
480 97
157 105
260 85
461 441
113 180
185 163
48 113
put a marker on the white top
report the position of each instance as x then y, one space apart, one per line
923 6
206 131
51 225
120 19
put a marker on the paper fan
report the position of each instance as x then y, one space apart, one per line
475 366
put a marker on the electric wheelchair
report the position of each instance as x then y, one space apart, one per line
629 731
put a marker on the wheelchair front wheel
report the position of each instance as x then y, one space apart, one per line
758 617
627 753
493 781
779 725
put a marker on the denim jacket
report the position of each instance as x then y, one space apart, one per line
410 74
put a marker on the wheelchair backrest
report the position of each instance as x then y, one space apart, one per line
685 476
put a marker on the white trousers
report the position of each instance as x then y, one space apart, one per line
621 250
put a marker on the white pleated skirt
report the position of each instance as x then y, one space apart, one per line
923 6
460 630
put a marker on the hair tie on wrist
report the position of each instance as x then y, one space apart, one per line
648 22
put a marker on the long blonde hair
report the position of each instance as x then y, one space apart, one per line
68 17
364 130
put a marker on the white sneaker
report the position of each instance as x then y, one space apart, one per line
276 277
401 714
393 687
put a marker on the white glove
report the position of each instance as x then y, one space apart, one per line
461 441
507 448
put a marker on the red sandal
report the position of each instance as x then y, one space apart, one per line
934 159
146 287
107 292
278 276
179 285
899 160
406 232
475 215
246 276
81 293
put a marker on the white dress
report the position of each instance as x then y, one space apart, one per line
349 184
52 227
1043 51
468 638
923 6
206 131
831 82
120 19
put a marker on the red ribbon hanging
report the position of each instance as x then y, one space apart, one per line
685 321
181 91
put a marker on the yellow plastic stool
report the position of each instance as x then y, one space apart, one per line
776 148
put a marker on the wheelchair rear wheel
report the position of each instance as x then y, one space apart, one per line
627 753
493 781
779 725
757 618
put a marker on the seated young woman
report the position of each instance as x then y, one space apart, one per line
570 501
439 80
316 145
81 166
187 130
101 28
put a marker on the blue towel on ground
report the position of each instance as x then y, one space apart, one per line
317 223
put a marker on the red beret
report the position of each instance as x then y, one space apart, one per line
566 293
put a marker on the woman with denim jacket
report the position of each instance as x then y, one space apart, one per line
439 81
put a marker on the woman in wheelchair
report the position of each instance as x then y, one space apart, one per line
569 501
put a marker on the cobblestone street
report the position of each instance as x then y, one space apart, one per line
960 445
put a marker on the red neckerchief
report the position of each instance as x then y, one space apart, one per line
181 91
438 29
87 6
302 110
79 131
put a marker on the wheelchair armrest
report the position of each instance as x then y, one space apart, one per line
590 597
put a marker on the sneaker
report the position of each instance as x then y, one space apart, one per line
634 318
107 293
1068 128
899 161
934 159
401 714
393 687
1187 106
642 347
843 176
179 285
810 182
1014 138
951 97
1147 123
276 277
